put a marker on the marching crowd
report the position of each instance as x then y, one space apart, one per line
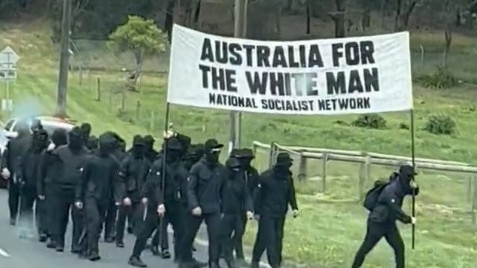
107 188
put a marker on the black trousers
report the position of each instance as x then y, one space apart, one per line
13 198
62 205
47 212
237 237
145 230
213 221
95 212
125 212
232 226
161 238
176 215
111 214
269 237
374 233
28 197
41 217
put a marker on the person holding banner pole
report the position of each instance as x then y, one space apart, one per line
384 213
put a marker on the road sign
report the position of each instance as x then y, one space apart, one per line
8 57
8 74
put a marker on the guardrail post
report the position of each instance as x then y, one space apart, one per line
302 167
271 155
470 188
474 200
324 167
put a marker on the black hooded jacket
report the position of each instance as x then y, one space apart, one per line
389 205
236 197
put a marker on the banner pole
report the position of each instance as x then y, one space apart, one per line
163 165
240 26
413 159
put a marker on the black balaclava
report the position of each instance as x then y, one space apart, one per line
86 130
75 139
40 141
246 157
106 145
173 150
283 164
193 155
137 149
59 137
212 151
149 143
93 143
406 175
233 164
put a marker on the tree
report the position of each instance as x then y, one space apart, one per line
140 37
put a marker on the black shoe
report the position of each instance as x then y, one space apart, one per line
51 244
129 230
13 222
136 262
108 240
155 250
199 264
165 254
94 257
42 238
75 249
120 244
59 248
194 249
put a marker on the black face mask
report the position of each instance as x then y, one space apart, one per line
138 151
173 155
285 168
212 157
75 142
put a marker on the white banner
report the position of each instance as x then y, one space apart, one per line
370 74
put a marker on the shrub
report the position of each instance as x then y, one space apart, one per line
374 121
442 78
441 124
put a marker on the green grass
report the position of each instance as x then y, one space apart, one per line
329 229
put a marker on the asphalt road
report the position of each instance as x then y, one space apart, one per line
26 253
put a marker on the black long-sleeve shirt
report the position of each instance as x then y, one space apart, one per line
133 173
99 180
205 184
70 165
274 193
236 197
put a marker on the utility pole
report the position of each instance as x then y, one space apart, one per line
64 60
239 32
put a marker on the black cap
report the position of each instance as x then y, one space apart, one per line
149 139
138 140
247 153
235 153
211 144
284 158
173 144
232 162
407 170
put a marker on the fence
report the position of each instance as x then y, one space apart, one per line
366 160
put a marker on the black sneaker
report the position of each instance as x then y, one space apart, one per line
166 254
120 244
136 262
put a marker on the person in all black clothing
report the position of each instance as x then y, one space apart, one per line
271 199
382 219
133 172
46 174
15 148
149 151
68 160
96 190
27 177
205 183
235 200
251 177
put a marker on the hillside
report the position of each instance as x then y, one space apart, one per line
329 230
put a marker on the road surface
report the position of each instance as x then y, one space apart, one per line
25 253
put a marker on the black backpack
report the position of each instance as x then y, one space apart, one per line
371 197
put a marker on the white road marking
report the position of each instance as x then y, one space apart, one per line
4 253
